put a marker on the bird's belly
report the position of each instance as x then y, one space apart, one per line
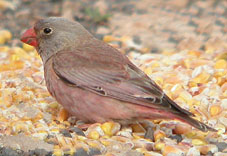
86 105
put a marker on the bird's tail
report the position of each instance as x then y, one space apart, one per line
195 123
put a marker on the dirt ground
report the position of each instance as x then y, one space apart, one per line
155 25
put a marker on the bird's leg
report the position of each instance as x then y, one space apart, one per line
149 134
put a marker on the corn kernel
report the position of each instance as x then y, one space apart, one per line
204 77
148 71
105 142
191 134
221 56
109 38
6 34
63 115
221 129
159 146
53 105
93 135
2 39
94 144
4 49
137 128
57 152
220 64
170 149
198 142
159 135
141 150
110 128
81 138
194 53
192 84
137 136
182 128
215 110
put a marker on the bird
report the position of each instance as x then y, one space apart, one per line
94 81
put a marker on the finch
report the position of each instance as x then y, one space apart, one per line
94 81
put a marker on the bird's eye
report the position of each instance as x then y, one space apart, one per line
47 31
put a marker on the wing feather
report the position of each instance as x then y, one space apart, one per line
111 74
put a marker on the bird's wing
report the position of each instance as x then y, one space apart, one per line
107 72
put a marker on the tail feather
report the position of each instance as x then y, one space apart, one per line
166 99
195 123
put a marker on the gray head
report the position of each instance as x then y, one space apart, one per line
54 34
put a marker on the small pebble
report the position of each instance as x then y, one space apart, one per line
80 152
221 146
39 152
4 151
176 137
94 151
77 131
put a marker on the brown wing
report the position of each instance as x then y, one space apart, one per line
107 72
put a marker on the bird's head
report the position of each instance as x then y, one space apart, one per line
54 34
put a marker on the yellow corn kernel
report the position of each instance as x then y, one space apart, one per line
6 34
136 128
4 49
63 115
204 77
110 128
159 146
141 150
187 63
220 64
169 149
198 142
136 136
93 135
109 38
2 40
81 138
159 135
93 144
105 142
185 96
159 81
221 56
192 84
194 53
148 71
221 129
57 152
215 110
191 134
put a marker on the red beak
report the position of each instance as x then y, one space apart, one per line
29 37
